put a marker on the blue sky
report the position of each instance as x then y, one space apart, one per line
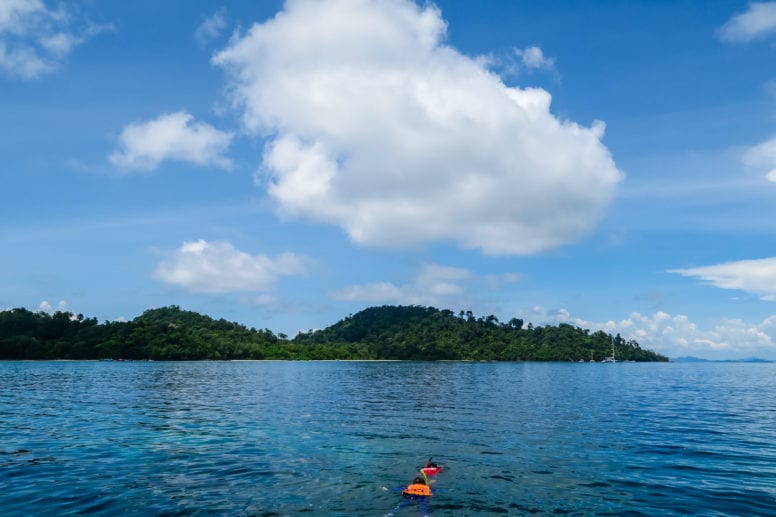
283 164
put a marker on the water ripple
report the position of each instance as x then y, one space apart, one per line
277 438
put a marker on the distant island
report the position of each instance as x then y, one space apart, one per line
691 359
384 333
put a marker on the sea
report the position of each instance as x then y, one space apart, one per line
341 438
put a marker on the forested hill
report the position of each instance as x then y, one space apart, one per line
389 332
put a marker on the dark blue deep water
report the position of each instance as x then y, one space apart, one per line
332 438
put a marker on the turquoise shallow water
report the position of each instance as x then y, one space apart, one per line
328 438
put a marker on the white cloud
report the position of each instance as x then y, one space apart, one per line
499 281
433 285
35 39
45 306
677 336
533 57
753 276
263 299
758 20
769 87
173 136
211 28
763 155
218 267
379 292
376 126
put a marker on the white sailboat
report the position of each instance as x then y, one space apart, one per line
612 358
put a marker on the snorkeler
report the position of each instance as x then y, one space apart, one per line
431 469
416 492
419 490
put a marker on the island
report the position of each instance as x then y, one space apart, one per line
376 333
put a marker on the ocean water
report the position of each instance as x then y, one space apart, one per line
335 438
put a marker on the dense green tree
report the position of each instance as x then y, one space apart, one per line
388 332
413 332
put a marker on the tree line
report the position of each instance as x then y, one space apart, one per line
387 332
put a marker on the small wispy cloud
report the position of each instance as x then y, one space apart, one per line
499 281
45 306
173 136
757 276
35 40
757 21
218 267
210 29
763 155
769 87
533 58
433 285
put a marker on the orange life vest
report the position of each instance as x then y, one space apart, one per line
417 489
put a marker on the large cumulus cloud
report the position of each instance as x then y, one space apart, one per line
375 125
